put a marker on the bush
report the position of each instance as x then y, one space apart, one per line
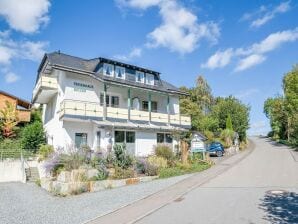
170 172
33 136
10 144
122 159
151 170
227 136
141 165
121 173
44 152
157 161
164 151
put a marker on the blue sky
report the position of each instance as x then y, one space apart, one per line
242 48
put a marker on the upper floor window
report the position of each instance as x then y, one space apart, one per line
120 72
139 76
149 79
110 100
108 69
145 106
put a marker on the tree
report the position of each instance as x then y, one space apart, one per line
33 136
229 124
238 111
9 120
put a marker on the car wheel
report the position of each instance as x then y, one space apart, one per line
219 153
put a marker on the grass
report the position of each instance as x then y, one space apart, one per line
181 170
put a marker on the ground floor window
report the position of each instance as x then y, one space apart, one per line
98 135
80 139
164 138
125 137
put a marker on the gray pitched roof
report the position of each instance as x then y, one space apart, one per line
91 65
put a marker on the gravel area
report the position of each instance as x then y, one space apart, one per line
28 203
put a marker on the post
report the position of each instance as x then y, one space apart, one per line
104 102
168 108
128 103
149 106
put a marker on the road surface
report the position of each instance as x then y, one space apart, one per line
262 187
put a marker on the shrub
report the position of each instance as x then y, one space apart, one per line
150 169
122 159
44 152
121 173
141 165
227 136
164 151
170 172
157 161
33 136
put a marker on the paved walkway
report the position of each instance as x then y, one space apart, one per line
235 191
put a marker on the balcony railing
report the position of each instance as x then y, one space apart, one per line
46 83
88 109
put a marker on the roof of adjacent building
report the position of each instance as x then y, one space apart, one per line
20 102
91 66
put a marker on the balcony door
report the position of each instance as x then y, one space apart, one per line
136 103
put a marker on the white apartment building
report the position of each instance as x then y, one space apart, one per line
99 102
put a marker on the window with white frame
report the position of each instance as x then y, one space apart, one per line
164 138
120 72
139 76
108 69
149 79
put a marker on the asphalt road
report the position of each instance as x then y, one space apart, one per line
262 188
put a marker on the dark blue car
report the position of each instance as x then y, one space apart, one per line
216 148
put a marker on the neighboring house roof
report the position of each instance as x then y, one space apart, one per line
200 135
20 102
91 66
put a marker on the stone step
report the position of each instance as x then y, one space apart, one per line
32 174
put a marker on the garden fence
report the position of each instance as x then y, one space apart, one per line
16 154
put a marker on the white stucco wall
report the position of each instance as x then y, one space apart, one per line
145 142
11 171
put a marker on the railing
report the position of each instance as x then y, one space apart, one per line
91 109
47 82
15 154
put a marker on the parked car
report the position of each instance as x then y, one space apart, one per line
216 148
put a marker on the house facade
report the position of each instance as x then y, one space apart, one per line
22 106
100 102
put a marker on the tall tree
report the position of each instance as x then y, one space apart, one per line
9 120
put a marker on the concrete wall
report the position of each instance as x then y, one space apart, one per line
11 171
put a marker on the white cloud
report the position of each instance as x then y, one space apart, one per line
179 35
134 53
264 14
250 61
11 77
26 15
252 55
246 93
6 55
219 59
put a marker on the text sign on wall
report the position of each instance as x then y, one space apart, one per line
82 87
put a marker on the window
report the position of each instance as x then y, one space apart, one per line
98 139
139 76
160 137
108 69
145 106
119 136
120 72
130 137
107 100
125 137
164 138
115 101
80 139
149 79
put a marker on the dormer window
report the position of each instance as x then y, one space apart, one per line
149 79
140 77
108 69
120 72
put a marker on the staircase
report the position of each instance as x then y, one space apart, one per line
31 174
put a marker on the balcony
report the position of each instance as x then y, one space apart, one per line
45 89
80 109
24 115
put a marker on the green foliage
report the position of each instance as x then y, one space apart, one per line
33 136
227 136
182 169
229 124
44 152
9 120
283 110
164 151
121 173
122 159
8 144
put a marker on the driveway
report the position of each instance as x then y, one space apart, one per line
28 203
263 188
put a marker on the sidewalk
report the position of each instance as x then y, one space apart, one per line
133 212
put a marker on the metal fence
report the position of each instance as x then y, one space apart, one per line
16 154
